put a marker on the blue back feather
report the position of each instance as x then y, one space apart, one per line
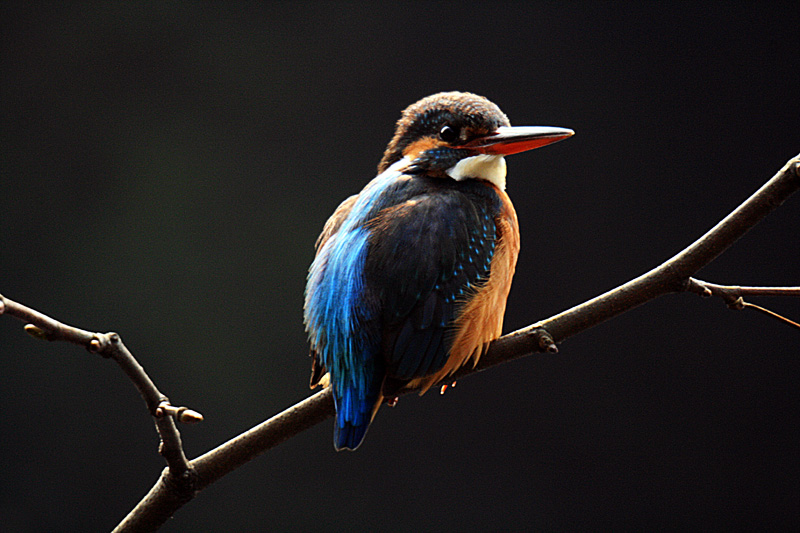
339 319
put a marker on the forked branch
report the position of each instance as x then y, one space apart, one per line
734 295
110 345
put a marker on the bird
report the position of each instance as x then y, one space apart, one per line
411 275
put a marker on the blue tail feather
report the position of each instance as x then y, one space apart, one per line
354 407
349 437
353 416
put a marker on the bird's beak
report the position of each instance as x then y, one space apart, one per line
513 140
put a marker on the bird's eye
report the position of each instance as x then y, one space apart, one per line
448 133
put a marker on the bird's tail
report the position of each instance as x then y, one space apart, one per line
354 413
349 436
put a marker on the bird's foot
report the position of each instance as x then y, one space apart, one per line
325 381
446 386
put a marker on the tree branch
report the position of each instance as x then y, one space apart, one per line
671 276
731 293
734 296
109 345
169 493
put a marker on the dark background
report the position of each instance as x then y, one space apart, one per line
166 168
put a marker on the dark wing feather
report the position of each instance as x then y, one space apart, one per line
425 256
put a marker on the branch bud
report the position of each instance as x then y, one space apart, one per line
36 332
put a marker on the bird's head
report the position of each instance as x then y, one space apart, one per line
461 136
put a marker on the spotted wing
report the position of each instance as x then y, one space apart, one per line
426 257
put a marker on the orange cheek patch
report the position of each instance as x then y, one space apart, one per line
413 150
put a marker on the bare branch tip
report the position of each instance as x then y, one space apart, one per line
772 314
188 416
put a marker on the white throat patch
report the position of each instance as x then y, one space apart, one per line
489 167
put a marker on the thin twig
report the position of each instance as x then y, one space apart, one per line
771 314
734 295
730 293
110 345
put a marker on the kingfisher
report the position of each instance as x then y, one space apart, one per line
411 275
